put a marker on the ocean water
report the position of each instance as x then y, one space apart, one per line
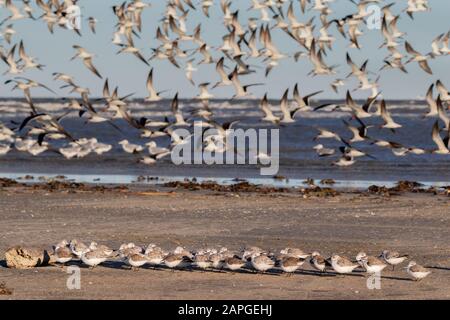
298 160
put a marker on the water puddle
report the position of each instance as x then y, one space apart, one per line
150 180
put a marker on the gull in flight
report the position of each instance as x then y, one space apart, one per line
154 95
389 123
130 147
268 114
418 57
442 144
87 59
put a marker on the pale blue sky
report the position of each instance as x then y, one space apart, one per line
55 51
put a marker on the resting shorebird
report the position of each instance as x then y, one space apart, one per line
94 257
233 263
295 252
177 261
217 260
393 258
342 265
417 271
319 262
136 260
202 261
155 257
128 249
262 262
372 264
78 248
291 264
62 252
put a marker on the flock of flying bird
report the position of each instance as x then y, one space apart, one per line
289 260
242 42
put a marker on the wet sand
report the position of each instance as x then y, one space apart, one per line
413 223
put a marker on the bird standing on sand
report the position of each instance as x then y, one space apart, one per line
342 265
393 258
62 252
416 271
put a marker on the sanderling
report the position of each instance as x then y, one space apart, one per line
78 248
155 254
125 250
248 252
177 261
225 253
359 258
202 261
94 257
295 252
417 271
372 264
101 248
62 252
154 248
233 263
184 252
393 258
155 257
137 260
319 262
342 265
291 264
262 262
216 260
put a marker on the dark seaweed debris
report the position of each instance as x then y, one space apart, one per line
402 187
248 187
60 185
57 185
327 182
27 177
5 182
4 290
214 186
146 178
408 186
380 190
319 192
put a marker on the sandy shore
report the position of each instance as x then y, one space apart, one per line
417 224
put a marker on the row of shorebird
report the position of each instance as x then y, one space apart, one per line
244 45
289 260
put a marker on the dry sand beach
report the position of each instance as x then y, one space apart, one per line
416 223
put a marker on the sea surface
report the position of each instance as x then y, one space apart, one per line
298 160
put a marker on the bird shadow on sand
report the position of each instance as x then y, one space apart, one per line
438 268
120 265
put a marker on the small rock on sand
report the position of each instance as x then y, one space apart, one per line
19 257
